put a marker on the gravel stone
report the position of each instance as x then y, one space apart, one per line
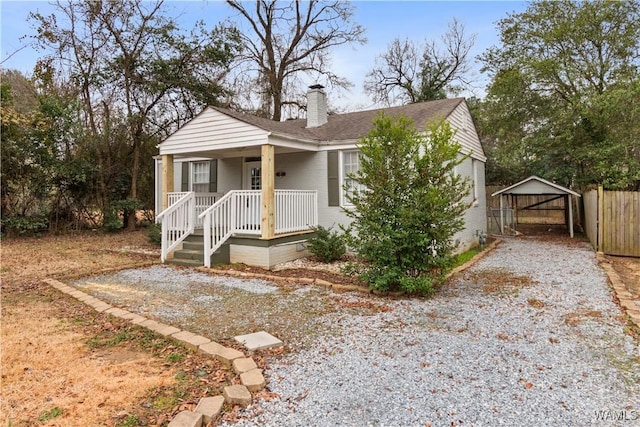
469 356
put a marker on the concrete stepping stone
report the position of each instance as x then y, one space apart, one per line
117 312
190 340
253 380
244 364
227 355
237 395
210 348
258 341
187 419
161 328
210 408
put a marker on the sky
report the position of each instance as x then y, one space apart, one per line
384 21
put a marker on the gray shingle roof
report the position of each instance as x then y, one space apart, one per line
349 126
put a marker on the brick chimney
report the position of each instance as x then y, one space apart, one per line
316 106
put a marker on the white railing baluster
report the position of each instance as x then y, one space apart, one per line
177 221
239 211
296 210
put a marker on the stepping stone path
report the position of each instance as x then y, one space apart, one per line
237 395
208 408
258 341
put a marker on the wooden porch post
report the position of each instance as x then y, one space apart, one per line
167 179
268 219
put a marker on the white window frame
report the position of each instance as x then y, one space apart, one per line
343 175
474 176
205 174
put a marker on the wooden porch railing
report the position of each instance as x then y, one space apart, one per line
178 221
295 210
240 212
203 202
237 212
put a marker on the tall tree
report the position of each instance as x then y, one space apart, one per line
559 67
284 40
138 73
408 72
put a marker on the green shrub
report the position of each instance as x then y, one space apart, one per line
327 245
407 205
154 234
23 224
111 220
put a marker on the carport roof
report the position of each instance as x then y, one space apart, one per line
535 185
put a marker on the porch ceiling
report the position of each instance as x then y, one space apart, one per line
250 151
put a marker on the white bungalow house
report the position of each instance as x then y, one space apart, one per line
247 189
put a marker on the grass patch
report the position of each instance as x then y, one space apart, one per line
50 414
466 256
130 421
175 357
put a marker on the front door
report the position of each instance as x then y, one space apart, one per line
252 180
252 176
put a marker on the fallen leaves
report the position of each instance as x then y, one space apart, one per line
577 317
535 303
525 383
499 281
369 305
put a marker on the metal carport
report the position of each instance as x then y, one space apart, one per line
536 186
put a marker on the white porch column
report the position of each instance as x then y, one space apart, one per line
569 200
167 179
501 216
268 219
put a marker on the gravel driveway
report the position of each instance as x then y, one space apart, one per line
528 336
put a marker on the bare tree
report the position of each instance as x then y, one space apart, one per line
137 71
408 72
288 39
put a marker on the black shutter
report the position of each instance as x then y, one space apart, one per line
185 177
333 178
213 176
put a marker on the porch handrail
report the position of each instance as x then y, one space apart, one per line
203 201
177 222
232 213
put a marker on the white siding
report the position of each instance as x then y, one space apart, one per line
460 120
177 174
212 130
229 174
308 171
475 217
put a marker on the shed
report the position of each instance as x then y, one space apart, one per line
536 186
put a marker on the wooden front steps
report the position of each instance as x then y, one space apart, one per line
192 252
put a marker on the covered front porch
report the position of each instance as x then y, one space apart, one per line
263 222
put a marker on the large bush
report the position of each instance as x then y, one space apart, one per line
407 204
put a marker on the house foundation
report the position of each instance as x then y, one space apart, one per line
263 253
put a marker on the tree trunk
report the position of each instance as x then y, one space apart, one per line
135 171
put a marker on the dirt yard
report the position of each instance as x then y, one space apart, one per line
65 365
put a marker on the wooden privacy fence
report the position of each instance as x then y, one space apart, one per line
612 221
